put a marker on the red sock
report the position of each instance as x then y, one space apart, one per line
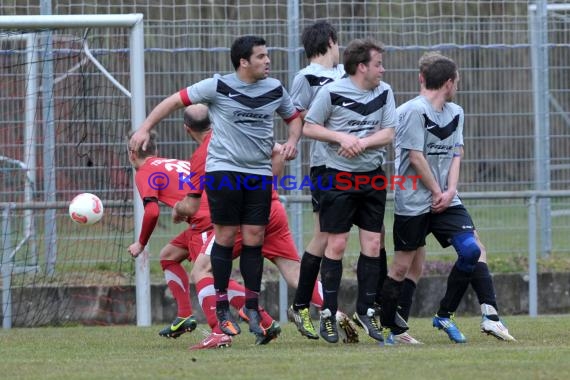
317 297
207 299
177 281
236 294
266 319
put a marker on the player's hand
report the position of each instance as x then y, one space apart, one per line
289 151
136 249
176 216
138 139
443 202
350 146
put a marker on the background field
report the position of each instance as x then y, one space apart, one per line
122 352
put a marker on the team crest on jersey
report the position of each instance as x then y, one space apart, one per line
441 132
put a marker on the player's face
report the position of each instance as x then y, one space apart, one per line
132 155
452 88
374 70
335 52
258 64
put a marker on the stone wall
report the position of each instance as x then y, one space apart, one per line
57 306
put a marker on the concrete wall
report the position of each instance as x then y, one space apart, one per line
116 305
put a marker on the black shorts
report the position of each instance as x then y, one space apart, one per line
318 181
349 201
238 198
410 231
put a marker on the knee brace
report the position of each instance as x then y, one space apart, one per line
468 251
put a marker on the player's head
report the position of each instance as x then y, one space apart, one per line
318 38
138 155
245 48
196 119
438 71
363 57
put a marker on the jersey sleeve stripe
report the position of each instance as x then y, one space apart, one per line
184 97
296 114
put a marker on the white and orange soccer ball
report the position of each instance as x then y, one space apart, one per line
86 209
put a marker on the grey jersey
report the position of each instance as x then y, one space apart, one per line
242 115
437 135
343 107
306 85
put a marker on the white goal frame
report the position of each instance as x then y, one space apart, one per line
137 96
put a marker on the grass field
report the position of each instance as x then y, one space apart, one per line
128 352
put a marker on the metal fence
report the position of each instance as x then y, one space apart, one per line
514 61
506 145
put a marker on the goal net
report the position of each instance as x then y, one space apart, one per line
67 103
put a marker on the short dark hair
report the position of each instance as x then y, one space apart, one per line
243 48
358 51
197 120
436 69
316 38
151 146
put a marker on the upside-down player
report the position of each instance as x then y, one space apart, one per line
156 180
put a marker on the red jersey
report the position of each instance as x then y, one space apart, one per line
198 164
160 178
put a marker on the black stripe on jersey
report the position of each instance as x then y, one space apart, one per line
437 154
441 133
315 81
362 129
362 109
248 101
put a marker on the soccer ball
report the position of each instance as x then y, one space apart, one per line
86 209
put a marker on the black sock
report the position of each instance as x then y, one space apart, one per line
331 274
457 283
367 269
251 267
482 284
221 259
390 295
382 275
406 298
310 266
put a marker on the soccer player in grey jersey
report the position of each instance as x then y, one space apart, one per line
429 144
320 41
238 166
356 117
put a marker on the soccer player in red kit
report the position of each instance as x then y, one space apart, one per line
157 181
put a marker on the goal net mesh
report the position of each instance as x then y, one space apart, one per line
89 118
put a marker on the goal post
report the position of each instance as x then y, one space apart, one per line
44 25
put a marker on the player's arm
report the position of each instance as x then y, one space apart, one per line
289 148
150 219
378 139
421 166
277 160
163 109
301 94
452 181
349 145
186 208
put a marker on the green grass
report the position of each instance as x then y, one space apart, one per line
128 352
